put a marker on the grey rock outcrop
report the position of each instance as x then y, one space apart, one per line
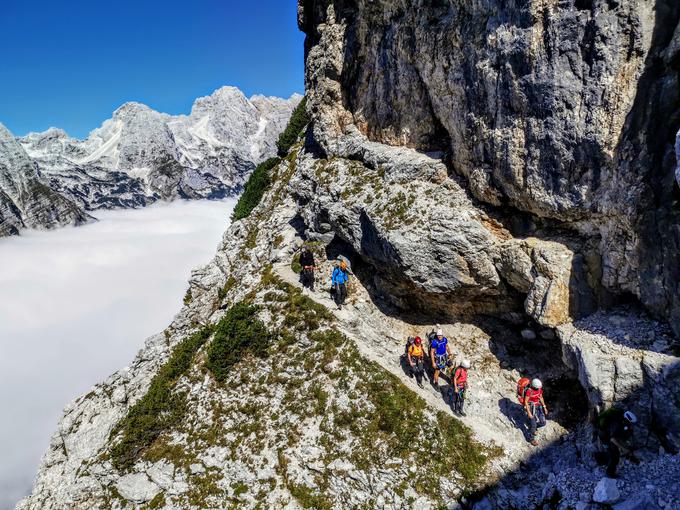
606 491
563 110
627 359
25 199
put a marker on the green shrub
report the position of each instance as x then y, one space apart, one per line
298 120
223 291
309 498
238 333
295 264
254 190
158 410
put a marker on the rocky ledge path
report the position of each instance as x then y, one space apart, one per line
381 338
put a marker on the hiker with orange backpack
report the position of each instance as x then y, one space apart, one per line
459 387
416 357
339 280
531 397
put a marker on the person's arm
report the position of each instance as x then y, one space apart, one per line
448 349
410 359
432 358
545 407
526 407
455 379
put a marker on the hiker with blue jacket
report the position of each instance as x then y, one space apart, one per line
339 280
440 354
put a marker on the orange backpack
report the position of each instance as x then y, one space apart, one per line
522 385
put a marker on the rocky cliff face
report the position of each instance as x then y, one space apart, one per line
563 110
140 155
25 199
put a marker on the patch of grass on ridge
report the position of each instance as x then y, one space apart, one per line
158 410
399 418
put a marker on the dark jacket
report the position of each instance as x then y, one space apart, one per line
307 259
612 425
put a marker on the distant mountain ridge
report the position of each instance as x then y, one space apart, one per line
140 156
25 200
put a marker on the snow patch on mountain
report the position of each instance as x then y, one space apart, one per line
109 148
140 155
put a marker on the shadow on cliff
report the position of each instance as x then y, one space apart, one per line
576 449
655 114
645 150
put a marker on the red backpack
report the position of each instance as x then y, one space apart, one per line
522 386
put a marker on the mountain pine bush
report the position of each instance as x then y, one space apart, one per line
160 409
240 332
298 120
255 189
260 180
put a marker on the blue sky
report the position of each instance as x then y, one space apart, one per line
70 64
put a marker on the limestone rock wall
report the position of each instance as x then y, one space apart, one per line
565 110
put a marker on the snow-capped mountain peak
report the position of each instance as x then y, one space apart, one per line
140 155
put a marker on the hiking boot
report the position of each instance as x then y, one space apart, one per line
462 413
420 384
534 442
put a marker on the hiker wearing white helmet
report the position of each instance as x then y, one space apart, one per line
440 352
615 432
535 407
459 387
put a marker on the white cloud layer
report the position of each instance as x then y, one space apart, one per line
76 305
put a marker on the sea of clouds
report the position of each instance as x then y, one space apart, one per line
76 305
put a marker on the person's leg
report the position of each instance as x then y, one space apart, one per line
343 293
311 280
461 401
532 425
541 417
614 457
435 381
336 295
419 371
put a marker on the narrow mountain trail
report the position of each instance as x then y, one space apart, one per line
381 339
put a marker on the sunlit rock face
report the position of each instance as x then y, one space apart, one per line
566 111
140 155
25 200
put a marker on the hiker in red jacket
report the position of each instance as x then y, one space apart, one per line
459 387
535 407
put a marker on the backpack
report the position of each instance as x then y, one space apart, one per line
522 386
409 342
606 418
